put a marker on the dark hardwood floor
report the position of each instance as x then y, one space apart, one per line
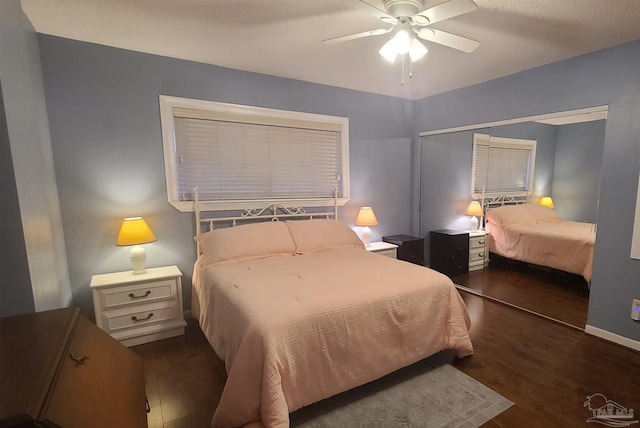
547 369
558 295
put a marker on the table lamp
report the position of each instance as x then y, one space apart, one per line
135 231
546 201
366 217
474 209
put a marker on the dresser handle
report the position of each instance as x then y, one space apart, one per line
136 319
133 296
481 242
79 360
481 255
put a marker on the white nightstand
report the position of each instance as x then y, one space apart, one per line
137 309
477 249
385 248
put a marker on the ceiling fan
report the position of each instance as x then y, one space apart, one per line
407 18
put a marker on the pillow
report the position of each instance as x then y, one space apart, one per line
322 234
510 214
542 213
246 242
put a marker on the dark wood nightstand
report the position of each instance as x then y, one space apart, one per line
410 248
449 251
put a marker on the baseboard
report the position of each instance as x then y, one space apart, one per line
187 314
612 337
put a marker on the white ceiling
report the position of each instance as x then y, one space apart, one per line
283 37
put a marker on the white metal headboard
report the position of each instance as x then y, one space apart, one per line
503 200
272 211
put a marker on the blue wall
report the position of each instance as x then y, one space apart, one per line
609 77
107 146
17 297
35 275
578 170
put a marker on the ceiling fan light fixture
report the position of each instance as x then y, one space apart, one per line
418 50
401 42
388 51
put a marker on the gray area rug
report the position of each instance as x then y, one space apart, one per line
429 393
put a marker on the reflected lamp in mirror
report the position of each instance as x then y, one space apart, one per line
474 210
135 231
546 201
366 218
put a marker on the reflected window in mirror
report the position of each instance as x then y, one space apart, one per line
502 165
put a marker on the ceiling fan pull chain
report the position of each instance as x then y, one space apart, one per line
402 76
410 69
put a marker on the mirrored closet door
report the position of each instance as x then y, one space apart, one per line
567 168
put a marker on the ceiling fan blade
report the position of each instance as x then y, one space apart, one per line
348 37
444 11
377 12
447 39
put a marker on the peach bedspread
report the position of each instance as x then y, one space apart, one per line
563 245
294 330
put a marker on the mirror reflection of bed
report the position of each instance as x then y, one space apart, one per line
537 260
567 167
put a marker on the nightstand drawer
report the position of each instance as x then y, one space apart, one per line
152 314
477 250
388 253
137 309
111 298
477 241
383 248
475 256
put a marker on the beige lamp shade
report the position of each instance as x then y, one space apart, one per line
366 217
135 231
546 201
474 209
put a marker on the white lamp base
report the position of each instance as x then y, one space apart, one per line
474 223
138 258
366 236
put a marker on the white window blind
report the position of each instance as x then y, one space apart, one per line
239 161
502 165
240 154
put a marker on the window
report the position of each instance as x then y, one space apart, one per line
238 156
501 165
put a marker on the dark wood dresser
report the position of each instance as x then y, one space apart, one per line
410 248
57 369
449 251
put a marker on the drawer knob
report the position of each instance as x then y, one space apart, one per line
481 242
136 319
79 360
142 296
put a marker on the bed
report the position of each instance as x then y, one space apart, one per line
536 234
300 311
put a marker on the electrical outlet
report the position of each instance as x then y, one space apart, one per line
635 310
